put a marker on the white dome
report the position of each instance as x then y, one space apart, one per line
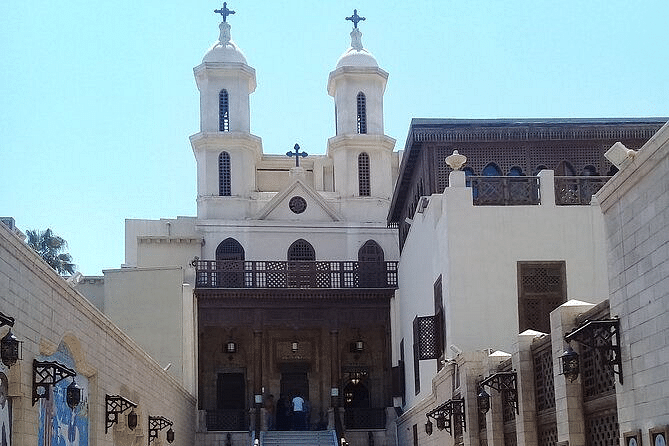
357 58
220 52
225 50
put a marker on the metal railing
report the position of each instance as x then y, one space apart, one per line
504 191
577 190
294 274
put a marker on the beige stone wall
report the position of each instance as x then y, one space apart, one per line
635 204
50 313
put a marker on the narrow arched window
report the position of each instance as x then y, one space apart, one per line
229 272
223 111
224 174
362 113
370 252
363 175
371 267
491 170
516 171
301 250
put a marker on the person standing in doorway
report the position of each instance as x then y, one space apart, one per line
298 413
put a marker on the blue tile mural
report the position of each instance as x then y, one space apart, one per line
58 424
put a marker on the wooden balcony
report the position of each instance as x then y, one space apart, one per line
294 274
577 190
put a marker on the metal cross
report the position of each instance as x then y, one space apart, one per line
225 12
297 154
355 18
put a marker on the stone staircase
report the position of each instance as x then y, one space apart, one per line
298 438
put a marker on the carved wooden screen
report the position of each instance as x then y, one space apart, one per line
541 288
542 360
229 264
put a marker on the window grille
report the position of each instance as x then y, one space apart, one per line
301 250
370 252
363 175
223 111
362 113
224 188
426 328
229 249
541 289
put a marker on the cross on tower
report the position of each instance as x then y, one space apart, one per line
355 18
225 12
297 154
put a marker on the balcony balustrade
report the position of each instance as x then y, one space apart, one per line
577 190
504 191
294 274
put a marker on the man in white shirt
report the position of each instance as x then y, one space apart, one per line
298 413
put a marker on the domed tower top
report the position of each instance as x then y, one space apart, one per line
356 55
225 50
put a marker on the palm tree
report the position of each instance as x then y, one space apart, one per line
50 246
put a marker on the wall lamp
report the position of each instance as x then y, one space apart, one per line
502 382
50 373
598 335
483 400
231 347
445 415
116 405
9 345
156 424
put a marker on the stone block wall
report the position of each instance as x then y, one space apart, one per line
54 322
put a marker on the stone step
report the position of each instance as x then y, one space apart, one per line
298 438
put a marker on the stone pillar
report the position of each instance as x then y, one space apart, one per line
526 422
547 187
334 368
258 356
495 416
568 395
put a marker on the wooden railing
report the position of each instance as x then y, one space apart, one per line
504 191
577 190
294 274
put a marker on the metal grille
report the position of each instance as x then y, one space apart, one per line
577 190
543 376
541 288
602 429
597 377
229 249
547 435
301 250
362 113
224 188
363 175
504 191
227 420
223 112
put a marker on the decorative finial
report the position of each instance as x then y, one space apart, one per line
355 18
297 154
456 161
225 12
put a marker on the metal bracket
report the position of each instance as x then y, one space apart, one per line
157 424
504 382
47 374
116 405
6 320
452 412
599 335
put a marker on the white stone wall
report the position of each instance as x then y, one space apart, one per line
635 204
49 312
476 249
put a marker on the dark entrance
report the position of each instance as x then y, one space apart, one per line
294 381
230 411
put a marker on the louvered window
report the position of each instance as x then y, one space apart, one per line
224 174
223 112
362 113
363 175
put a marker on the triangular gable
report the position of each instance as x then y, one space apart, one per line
317 209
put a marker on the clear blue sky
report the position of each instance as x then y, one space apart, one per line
97 99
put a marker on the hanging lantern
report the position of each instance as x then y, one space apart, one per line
570 363
73 396
428 427
483 400
170 435
132 420
441 422
9 349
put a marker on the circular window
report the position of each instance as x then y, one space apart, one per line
297 204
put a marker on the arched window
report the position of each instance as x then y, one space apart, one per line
229 271
589 171
223 111
301 250
491 170
362 113
516 171
565 169
363 175
224 174
370 252
371 267
229 249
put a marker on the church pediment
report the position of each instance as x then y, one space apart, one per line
298 202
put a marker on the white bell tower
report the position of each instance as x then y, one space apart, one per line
361 152
225 150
